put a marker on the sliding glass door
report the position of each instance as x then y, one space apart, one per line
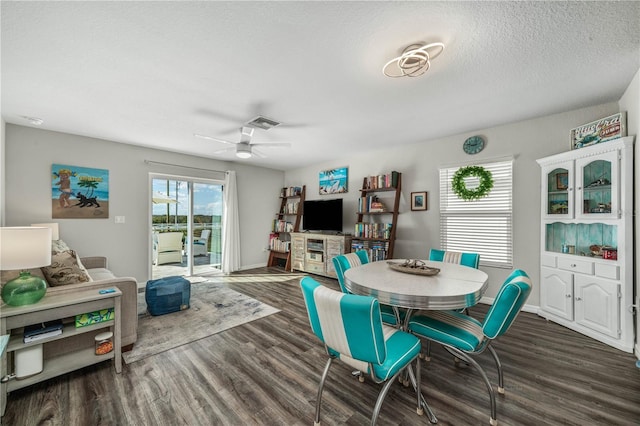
186 225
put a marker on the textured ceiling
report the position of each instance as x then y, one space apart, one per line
155 73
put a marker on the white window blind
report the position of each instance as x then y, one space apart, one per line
483 226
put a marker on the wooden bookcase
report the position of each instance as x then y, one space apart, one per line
375 229
287 220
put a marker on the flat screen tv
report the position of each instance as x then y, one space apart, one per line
322 215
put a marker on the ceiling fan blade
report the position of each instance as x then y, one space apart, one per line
211 138
223 151
257 153
272 144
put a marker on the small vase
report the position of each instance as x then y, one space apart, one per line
24 290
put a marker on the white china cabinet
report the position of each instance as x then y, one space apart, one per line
586 259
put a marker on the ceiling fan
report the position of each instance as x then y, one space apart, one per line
244 147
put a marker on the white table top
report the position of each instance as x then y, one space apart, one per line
455 287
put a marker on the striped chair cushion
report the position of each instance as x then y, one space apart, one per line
449 328
351 328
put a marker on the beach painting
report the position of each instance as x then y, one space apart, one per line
79 192
333 181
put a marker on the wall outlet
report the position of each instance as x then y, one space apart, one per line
119 219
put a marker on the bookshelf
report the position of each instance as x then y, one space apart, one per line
287 220
375 228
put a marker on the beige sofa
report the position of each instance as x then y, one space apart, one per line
101 278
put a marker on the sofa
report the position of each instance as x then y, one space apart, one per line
69 273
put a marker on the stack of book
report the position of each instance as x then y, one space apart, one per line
35 332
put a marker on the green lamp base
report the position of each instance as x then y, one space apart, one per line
24 290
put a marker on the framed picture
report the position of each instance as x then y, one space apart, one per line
603 130
418 201
79 192
333 181
562 181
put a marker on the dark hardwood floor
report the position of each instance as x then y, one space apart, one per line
266 372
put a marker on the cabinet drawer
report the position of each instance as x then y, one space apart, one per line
576 265
548 260
314 268
608 271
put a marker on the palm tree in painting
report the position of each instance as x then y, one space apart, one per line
91 185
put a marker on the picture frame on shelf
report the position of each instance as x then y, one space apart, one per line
562 181
419 201
333 181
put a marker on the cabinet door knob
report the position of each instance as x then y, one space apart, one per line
573 265
568 296
578 298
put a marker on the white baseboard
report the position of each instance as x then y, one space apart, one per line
533 309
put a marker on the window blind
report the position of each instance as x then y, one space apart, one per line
483 226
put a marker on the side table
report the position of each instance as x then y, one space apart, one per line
54 307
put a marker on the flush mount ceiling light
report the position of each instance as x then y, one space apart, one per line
414 61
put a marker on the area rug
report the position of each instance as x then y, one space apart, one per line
214 308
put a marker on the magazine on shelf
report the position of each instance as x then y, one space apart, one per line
42 330
41 336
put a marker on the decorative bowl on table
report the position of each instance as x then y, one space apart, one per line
412 266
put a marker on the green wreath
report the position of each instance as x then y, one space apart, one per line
460 188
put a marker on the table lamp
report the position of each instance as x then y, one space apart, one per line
24 248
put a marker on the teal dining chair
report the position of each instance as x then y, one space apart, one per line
465 337
342 263
351 329
467 259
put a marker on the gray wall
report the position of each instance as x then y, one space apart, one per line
417 231
31 152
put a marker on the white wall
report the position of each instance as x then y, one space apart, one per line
419 230
630 102
31 152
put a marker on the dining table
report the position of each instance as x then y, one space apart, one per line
451 286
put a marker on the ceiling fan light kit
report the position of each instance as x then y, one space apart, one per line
414 61
243 151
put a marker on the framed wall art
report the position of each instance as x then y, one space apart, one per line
603 130
418 201
79 192
333 181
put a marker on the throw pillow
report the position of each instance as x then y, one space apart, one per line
58 246
65 268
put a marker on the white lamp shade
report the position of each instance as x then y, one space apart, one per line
24 247
55 235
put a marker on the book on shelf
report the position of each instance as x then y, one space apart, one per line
389 180
292 191
371 205
41 331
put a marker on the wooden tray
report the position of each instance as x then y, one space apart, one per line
413 267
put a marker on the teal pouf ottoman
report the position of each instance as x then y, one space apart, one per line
166 295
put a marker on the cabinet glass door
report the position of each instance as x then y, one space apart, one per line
559 192
597 186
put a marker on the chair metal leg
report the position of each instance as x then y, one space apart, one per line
423 402
492 397
325 373
499 367
381 397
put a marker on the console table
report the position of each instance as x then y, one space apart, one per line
52 307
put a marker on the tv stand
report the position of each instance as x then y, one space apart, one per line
313 252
